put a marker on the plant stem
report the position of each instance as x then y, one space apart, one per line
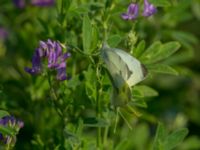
98 116
105 137
8 147
98 108
128 124
55 97
57 108
99 137
62 7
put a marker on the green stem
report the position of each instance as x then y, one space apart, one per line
98 116
8 147
81 51
99 138
105 137
62 7
98 109
55 97
116 120
128 124
57 108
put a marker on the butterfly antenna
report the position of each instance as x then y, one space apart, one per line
134 111
116 120
124 118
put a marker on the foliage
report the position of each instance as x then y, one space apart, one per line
77 113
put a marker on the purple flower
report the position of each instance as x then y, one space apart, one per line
43 2
52 51
36 64
149 9
61 73
7 120
12 122
3 33
19 3
20 123
132 12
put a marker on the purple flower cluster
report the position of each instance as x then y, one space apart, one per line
22 4
19 3
11 122
149 9
51 50
133 10
42 2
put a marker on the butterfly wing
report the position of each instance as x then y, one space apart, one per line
115 66
121 94
124 71
135 72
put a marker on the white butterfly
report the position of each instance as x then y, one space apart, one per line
125 71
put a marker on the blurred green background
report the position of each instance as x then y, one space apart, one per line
178 102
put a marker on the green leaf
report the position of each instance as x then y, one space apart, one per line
39 88
151 50
181 57
184 71
87 34
175 138
196 9
114 40
157 52
140 91
96 5
122 144
163 141
161 3
131 109
63 5
73 82
95 37
140 136
161 133
95 122
43 25
62 9
59 5
192 142
139 103
162 68
7 130
186 39
137 52
37 141
90 84
167 50
121 96
3 113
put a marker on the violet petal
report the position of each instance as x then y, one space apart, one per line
149 9
43 2
132 12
